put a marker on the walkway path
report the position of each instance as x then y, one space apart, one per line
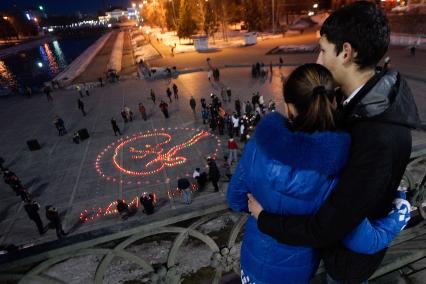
128 62
98 66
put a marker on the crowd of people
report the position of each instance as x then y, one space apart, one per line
241 121
31 206
147 200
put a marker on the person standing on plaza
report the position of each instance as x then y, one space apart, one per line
378 110
175 91
60 126
238 106
413 50
47 90
86 88
101 83
32 207
205 115
227 168
221 124
55 221
270 68
235 124
80 92
76 138
192 104
200 177
129 113
233 150
255 100
80 105
248 109
216 74
164 108
281 61
152 96
169 94
213 122
261 103
124 116
229 93
142 110
229 125
28 92
184 186
214 173
203 103
115 126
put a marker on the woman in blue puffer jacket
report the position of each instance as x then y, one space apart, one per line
291 166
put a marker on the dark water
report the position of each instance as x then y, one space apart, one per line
34 66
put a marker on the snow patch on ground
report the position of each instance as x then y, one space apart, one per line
142 50
75 270
217 224
191 257
145 52
235 39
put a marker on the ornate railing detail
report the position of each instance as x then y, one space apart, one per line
223 259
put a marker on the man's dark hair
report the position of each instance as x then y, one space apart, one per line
364 26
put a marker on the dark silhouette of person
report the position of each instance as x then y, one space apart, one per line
147 202
32 207
55 221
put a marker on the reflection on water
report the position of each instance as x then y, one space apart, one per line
35 66
59 54
6 77
50 60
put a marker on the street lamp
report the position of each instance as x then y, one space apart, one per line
273 17
133 5
315 6
5 18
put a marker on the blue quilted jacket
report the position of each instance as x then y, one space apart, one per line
291 173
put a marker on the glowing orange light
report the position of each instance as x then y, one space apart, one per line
155 155
111 209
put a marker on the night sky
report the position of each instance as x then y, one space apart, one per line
63 7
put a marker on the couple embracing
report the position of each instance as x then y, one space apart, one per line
321 182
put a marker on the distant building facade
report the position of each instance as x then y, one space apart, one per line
117 15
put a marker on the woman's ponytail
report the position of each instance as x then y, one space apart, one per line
310 89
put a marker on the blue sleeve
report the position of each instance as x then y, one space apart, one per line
372 236
238 189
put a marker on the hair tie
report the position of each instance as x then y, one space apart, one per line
319 90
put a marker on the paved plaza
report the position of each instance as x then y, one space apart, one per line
91 175
65 175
